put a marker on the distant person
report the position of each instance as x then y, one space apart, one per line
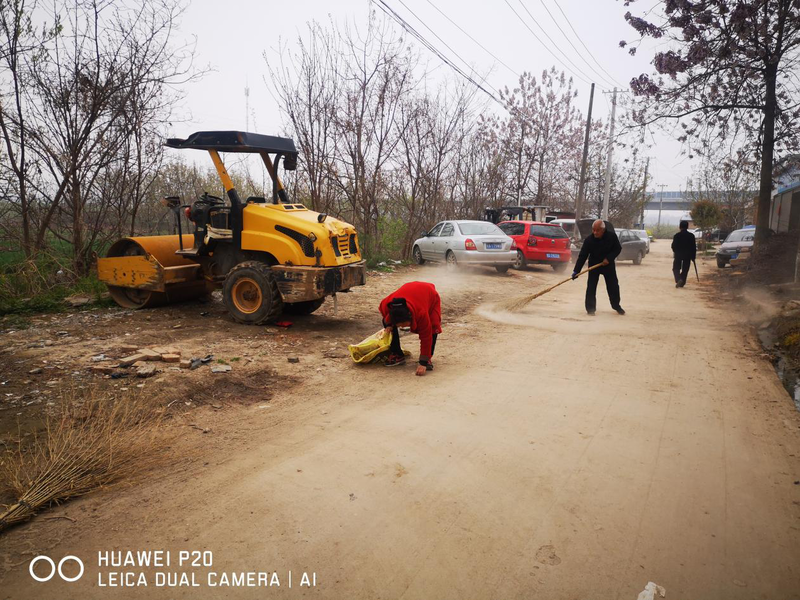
602 247
416 305
684 248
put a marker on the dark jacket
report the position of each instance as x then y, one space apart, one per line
425 305
684 245
598 249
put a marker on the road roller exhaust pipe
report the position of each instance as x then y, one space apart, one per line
142 272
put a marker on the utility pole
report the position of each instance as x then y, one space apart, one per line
644 190
582 181
661 203
246 106
607 189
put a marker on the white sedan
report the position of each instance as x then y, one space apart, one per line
466 243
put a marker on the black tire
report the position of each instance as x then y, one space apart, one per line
502 268
451 261
521 263
417 254
639 258
720 263
303 308
251 293
559 267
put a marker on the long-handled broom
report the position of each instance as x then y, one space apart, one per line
515 304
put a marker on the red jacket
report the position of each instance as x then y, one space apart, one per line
425 305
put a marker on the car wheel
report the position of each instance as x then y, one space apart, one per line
450 259
559 267
639 258
520 262
417 253
720 263
502 268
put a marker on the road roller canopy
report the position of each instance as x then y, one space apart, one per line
238 141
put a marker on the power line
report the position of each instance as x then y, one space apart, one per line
445 43
566 37
585 77
389 11
473 39
584 45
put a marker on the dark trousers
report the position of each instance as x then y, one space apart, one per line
394 347
680 268
609 273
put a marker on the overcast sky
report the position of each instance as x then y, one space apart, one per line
232 38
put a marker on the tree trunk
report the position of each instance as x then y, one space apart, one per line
767 154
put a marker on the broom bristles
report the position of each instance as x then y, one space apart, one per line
92 443
514 304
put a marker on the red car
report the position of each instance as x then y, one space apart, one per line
539 243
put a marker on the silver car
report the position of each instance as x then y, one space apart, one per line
466 243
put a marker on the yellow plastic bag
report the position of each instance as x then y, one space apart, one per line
371 348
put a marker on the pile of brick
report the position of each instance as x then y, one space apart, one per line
142 360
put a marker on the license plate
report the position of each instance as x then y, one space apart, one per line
494 246
553 256
734 256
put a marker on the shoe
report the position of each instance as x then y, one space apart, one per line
429 366
590 313
677 284
395 360
620 310
680 283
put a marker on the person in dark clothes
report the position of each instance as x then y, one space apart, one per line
416 305
602 247
684 248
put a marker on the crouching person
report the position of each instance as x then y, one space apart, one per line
416 305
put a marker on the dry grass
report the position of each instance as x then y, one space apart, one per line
90 442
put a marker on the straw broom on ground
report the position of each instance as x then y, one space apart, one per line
92 443
514 304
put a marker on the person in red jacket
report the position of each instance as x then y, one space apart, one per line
416 305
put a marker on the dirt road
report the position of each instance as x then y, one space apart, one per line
549 455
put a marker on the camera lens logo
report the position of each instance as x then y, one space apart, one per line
53 568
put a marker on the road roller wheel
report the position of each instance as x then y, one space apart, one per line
303 308
251 293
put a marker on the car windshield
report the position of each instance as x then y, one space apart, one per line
548 231
743 235
479 229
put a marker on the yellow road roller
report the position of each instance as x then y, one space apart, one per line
267 256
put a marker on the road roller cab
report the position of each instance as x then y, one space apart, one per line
267 255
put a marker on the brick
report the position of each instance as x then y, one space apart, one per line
103 369
128 348
172 350
149 354
185 363
159 350
139 363
171 358
129 360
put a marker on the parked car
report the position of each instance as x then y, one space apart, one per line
567 225
539 243
466 242
642 235
633 247
697 233
737 242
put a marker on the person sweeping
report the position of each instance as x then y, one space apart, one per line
415 305
601 248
